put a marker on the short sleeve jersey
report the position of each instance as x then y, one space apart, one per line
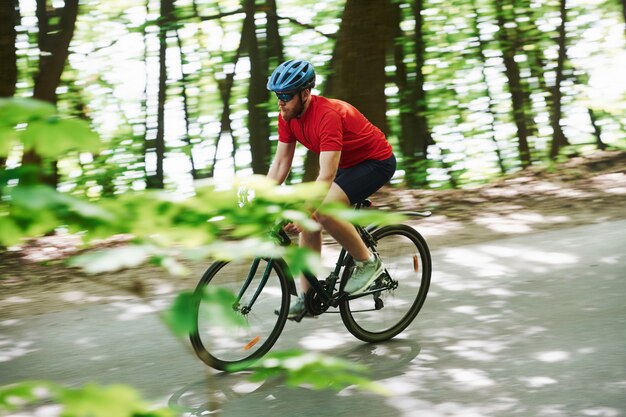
334 125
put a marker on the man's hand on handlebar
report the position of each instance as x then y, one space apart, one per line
292 228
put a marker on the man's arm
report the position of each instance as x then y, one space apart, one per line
329 163
282 162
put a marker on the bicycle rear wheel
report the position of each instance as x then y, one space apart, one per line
381 316
221 344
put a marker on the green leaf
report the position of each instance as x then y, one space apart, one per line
110 401
14 396
363 217
216 306
301 260
8 138
23 110
180 317
10 233
56 137
88 401
85 209
110 260
40 197
313 370
35 197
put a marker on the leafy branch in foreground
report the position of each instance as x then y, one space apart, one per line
223 223
88 401
315 370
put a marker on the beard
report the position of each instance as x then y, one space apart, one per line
294 112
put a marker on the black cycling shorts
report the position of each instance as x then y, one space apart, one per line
364 179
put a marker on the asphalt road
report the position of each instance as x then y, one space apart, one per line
530 326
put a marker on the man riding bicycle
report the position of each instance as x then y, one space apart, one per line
355 160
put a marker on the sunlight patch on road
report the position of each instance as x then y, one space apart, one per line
549 258
500 292
133 311
601 412
325 340
552 356
478 350
481 264
519 222
87 342
470 310
10 349
17 300
611 260
438 225
469 379
538 381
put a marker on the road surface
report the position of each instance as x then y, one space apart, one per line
529 326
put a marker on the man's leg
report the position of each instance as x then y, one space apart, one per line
343 232
312 241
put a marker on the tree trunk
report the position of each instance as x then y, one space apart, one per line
56 29
359 59
558 137
258 121
596 130
54 41
524 35
424 136
414 137
8 59
274 40
490 102
515 84
9 18
157 180
184 81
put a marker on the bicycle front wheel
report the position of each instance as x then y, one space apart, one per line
262 298
402 288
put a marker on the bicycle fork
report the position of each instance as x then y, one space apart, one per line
253 269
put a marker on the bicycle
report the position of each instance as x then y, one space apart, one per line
264 288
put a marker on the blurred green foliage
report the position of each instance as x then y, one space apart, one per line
37 125
88 401
239 220
312 369
217 305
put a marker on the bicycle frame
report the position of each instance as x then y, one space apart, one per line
328 297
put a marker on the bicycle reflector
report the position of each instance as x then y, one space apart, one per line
416 266
251 343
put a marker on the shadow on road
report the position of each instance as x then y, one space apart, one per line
227 394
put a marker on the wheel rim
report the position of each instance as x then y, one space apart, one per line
219 342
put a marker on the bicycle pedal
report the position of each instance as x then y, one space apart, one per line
299 318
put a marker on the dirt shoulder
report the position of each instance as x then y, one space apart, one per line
584 190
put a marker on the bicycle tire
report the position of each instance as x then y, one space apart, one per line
222 345
407 261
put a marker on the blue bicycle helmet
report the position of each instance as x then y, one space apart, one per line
292 75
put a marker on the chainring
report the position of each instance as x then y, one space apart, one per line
314 303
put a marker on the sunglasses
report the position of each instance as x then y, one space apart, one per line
285 97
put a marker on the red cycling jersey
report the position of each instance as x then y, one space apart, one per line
334 125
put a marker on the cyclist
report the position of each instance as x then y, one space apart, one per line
355 160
